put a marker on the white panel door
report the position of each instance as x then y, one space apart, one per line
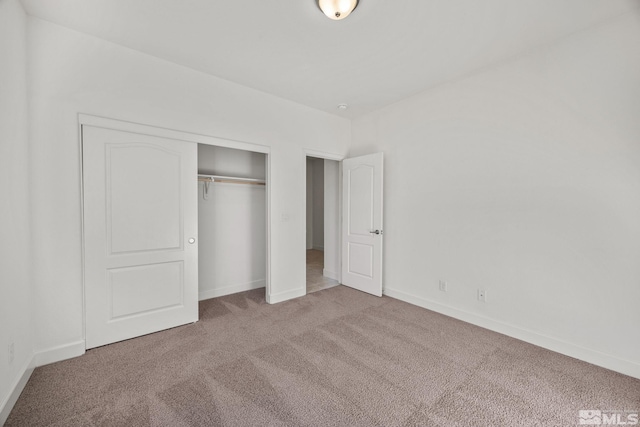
362 223
140 229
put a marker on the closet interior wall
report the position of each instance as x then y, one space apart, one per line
231 222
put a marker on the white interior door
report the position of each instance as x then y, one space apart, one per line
362 223
140 226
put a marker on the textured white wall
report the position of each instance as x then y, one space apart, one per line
16 308
524 180
74 73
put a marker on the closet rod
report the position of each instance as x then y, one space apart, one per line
230 180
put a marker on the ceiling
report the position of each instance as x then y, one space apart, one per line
385 51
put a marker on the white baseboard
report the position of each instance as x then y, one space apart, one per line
594 357
284 296
228 290
318 248
59 353
331 274
16 389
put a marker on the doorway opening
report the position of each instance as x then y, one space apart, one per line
232 224
322 224
140 221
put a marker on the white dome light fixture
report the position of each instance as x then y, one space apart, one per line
337 9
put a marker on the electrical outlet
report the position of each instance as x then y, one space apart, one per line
443 286
482 295
11 352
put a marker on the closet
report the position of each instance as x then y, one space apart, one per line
168 218
232 233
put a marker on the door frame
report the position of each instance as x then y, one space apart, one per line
325 155
139 128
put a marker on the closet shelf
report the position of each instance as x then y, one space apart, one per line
230 179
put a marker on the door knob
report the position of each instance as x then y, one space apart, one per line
376 232
192 240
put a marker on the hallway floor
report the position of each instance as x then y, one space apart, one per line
315 280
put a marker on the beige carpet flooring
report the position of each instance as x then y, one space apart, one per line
336 357
315 266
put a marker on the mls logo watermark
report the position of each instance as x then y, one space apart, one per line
596 417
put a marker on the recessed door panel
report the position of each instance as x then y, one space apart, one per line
360 181
143 198
145 288
360 260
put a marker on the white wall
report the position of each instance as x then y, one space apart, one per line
73 73
16 308
524 180
232 234
309 203
332 217
315 203
213 160
318 203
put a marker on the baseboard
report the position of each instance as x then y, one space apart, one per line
228 290
594 357
59 353
284 296
318 248
331 274
16 389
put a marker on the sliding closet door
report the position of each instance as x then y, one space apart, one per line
140 229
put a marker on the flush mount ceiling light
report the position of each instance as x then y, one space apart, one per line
337 9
